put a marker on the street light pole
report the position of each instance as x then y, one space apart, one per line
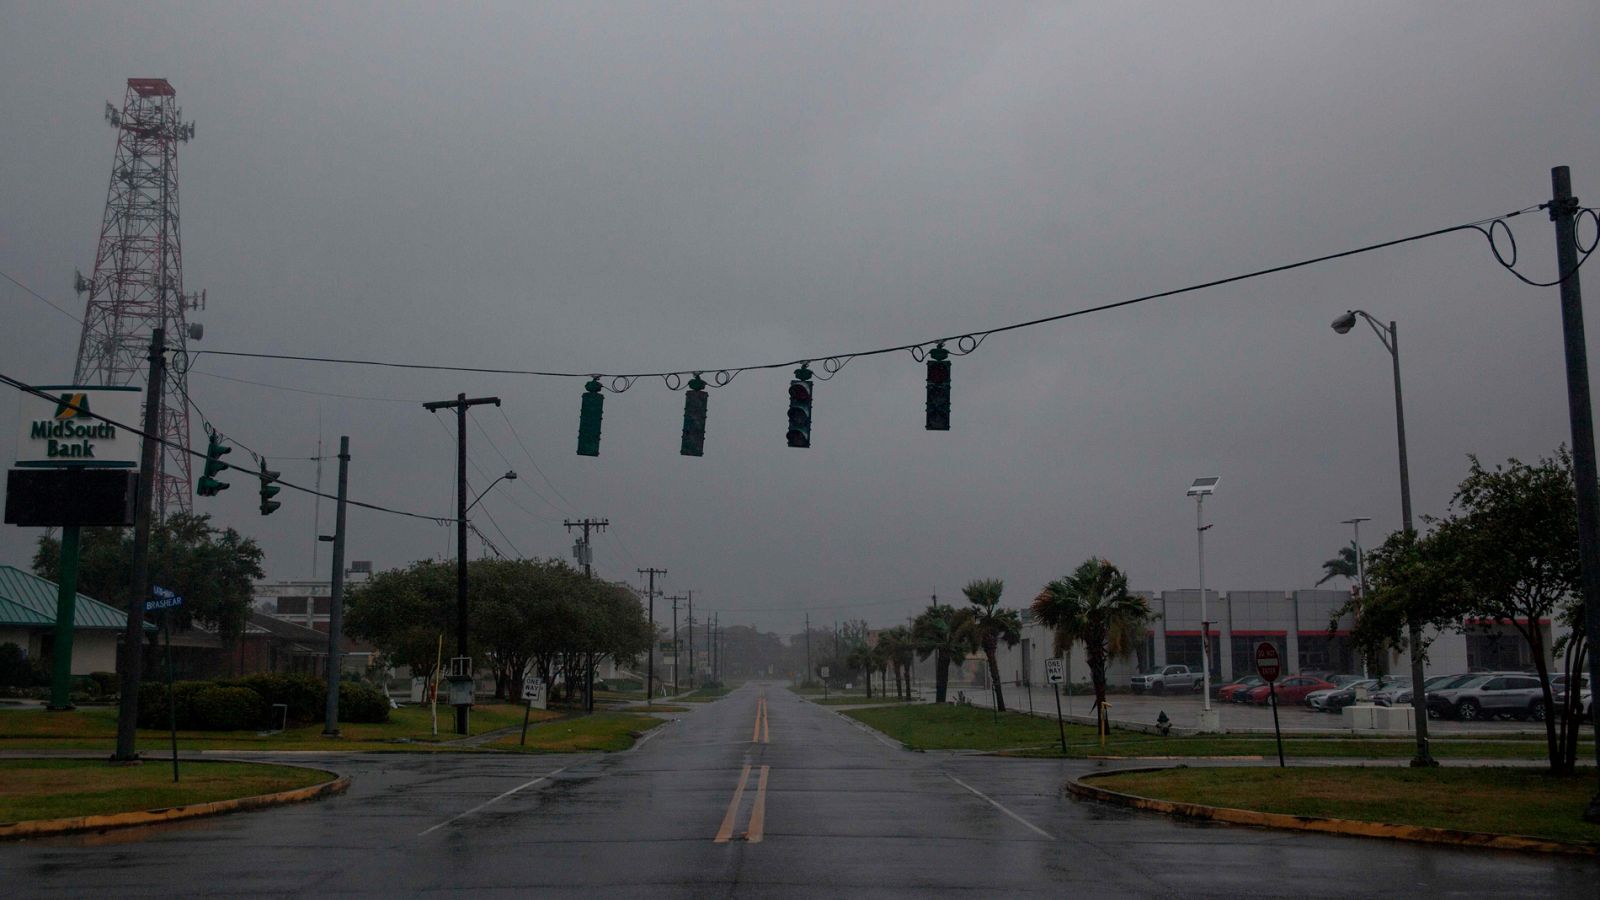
1198 490
1390 337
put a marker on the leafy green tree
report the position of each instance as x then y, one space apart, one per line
1345 565
541 615
214 570
1093 605
944 633
1512 538
990 625
1506 553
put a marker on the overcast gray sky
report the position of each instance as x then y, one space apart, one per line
626 187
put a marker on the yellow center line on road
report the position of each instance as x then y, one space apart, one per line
762 733
726 831
758 816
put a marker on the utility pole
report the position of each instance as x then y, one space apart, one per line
676 643
330 727
1563 211
139 583
650 659
586 557
460 405
807 679
711 650
689 622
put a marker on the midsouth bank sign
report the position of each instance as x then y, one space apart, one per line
67 429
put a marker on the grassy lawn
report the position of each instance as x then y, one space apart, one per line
856 700
1501 801
609 731
950 727
408 728
704 695
59 788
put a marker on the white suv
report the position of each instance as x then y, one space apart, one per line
1486 696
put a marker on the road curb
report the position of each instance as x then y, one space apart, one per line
1350 827
35 828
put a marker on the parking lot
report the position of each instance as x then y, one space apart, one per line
1184 709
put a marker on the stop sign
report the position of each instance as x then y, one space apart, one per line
1267 663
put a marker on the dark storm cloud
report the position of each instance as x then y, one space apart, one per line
640 187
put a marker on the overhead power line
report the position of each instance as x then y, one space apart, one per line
31 389
966 342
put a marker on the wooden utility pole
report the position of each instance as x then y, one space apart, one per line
139 583
650 658
460 405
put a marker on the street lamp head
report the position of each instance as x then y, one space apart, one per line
511 476
1344 323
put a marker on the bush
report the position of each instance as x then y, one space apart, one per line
107 682
14 670
153 703
360 703
305 695
220 708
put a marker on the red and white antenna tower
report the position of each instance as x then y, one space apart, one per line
137 284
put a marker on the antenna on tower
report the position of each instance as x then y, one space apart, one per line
137 285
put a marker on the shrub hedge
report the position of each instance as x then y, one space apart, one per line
246 703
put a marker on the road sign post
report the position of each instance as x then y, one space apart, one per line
1269 666
532 694
165 602
1053 673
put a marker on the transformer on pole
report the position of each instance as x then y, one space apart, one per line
137 284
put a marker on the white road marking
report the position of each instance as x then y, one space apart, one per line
996 804
526 784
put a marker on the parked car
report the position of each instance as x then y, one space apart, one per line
1486 696
1238 690
1168 678
1334 699
1291 690
1387 688
1403 697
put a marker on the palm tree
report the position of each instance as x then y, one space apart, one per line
1093 605
1345 565
990 625
905 655
882 655
942 632
860 660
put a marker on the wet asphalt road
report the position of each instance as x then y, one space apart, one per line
827 809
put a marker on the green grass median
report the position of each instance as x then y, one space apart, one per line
1516 801
62 788
951 727
608 731
409 727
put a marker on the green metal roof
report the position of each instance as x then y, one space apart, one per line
27 599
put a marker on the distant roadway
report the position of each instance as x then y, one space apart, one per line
760 794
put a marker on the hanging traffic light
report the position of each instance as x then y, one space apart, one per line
694 419
589 419
269 490
209 485
939 389
800 392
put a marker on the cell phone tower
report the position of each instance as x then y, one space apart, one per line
137 285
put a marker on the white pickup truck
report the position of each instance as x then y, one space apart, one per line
1168 678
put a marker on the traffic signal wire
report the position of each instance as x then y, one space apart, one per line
965 343
375 507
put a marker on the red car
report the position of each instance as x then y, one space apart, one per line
1292 689
1239 688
